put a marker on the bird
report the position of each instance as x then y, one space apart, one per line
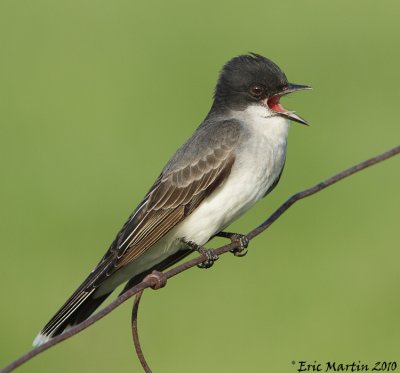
233 159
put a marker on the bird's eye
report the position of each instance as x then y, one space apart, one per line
256 90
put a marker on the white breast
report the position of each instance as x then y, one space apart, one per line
258 163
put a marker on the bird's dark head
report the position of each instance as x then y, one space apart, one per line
254 79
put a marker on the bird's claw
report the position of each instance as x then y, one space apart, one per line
240 239
243 241
210 254
240 253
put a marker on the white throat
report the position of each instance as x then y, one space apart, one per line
264 122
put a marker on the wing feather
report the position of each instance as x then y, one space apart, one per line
177 192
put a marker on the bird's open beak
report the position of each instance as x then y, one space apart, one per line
274 104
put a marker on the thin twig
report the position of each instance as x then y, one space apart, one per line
191 263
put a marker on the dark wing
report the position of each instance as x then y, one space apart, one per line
196 170
191 176
174 198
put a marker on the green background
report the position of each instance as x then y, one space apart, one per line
95 96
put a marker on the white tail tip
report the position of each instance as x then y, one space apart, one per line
40 339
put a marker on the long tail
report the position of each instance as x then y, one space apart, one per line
76 309
84 301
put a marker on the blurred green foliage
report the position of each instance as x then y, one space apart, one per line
95 96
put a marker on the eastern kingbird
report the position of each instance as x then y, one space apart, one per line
233 159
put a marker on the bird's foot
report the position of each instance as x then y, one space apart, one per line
241 239
210 255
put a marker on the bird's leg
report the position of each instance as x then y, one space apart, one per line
210 255
242 239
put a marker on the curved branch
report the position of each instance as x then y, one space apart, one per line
193 262
157 280
135 335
